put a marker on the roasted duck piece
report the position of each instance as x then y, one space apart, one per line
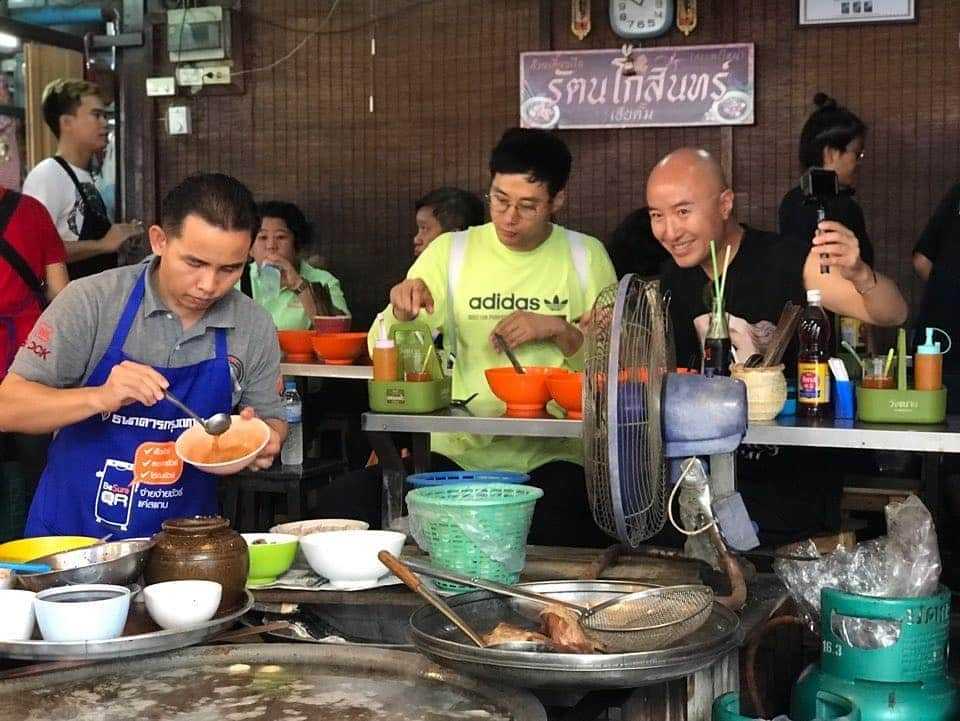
563 627
507 633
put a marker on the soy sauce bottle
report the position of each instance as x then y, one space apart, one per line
717 351
813 375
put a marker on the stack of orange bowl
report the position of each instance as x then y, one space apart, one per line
526 394
567 391
339 349
296 345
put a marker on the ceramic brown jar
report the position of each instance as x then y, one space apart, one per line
201 547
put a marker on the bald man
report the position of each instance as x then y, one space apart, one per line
788 491
691 204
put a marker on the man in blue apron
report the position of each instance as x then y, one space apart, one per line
99 358
75 113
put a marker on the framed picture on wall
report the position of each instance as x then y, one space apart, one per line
842 12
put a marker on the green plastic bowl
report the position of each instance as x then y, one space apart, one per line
271 555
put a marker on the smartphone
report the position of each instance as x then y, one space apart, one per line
820 185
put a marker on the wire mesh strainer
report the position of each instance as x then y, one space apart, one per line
648 620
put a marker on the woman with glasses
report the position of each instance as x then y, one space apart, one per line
832 138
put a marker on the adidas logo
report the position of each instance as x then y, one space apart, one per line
554 304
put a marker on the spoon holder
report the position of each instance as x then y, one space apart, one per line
402 396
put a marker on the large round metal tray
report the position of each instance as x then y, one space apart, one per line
438 639
267 682
141 636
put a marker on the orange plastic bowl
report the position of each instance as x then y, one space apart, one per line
247 435
524 393
295 344
567 391
339 349
332 323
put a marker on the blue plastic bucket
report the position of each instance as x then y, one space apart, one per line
446 478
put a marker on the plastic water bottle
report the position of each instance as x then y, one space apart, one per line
292 452
269 281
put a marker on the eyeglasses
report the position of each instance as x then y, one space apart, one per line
858 156
525 208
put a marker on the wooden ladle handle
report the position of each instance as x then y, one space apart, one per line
400 570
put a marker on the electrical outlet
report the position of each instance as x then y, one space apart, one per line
178 120
189 76
216 75
161 86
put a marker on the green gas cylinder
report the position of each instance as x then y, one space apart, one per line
906 681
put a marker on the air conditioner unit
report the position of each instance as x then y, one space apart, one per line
201 33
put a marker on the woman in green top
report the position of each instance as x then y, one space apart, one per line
284 232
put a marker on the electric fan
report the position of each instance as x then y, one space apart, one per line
642 421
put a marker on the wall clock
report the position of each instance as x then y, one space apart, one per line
641 18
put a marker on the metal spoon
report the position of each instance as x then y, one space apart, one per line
506 349
214 425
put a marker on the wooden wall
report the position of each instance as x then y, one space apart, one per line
445 85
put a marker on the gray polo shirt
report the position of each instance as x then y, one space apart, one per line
71 336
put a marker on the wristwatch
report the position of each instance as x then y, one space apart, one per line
304 285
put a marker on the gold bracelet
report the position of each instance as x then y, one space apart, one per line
864 292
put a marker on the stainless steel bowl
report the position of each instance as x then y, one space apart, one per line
118 563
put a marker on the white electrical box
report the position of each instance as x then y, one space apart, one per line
199 33
216 74
161 86
189 76
178 120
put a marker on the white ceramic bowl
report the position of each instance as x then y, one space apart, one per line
181 604
348 559
85 612
251 433
16 614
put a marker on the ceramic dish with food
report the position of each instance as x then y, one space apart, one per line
320 525
228 453
271 555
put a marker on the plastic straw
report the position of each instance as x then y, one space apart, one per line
716 273
426 360
852 351
888 366
723 279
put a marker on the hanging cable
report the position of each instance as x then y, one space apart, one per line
296 48
673 493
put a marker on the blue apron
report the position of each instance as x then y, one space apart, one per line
117 473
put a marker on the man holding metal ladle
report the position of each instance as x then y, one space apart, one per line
98 362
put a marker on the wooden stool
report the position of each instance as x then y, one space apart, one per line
248 498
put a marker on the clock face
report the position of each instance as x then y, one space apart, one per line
641 18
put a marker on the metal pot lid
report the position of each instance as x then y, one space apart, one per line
438 639
265 682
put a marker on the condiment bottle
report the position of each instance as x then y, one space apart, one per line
813 375
384 355
717 352
928 365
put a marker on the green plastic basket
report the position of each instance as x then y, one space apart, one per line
476 529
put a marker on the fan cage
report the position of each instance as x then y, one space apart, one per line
629 340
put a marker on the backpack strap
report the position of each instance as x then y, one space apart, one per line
458 251
578 253
8 205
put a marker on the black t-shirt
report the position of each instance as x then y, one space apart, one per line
766 272
798 220
940 242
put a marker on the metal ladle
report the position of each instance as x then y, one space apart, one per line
215 425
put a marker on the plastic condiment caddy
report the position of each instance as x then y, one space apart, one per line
402 396
901 404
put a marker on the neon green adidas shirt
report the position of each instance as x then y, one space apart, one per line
495 281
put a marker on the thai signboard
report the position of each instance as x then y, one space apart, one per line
649 87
